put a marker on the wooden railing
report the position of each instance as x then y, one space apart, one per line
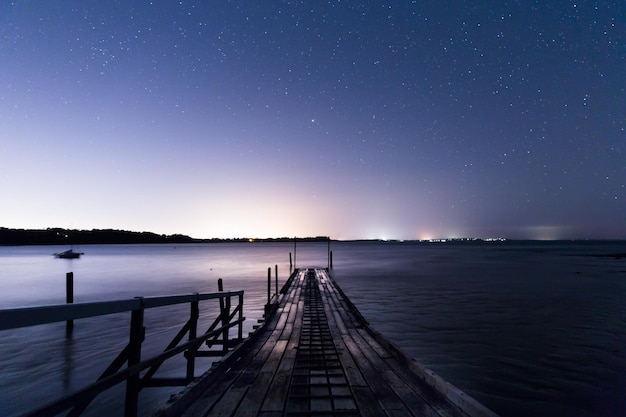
137 373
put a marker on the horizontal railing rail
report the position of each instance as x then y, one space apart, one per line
217 334
32 316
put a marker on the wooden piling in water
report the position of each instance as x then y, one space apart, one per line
328 252
69 297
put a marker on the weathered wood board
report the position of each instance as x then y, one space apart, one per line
316 356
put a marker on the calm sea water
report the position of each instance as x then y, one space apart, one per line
526 328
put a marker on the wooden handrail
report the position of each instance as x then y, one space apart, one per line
32 316
116 373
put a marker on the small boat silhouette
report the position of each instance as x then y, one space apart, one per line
68 254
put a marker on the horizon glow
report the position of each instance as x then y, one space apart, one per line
352 121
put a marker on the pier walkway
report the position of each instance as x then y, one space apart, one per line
316 356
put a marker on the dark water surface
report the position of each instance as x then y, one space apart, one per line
526 328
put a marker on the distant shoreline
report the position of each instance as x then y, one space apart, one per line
61 236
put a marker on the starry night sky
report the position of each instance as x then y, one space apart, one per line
368 119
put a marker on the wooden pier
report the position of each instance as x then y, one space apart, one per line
315 355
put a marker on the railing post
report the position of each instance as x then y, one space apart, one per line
133 385
240 332
276 275
224 313
220 288
269 284
69 298
225 320
193 328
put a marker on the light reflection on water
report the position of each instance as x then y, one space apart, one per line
31 276
528 329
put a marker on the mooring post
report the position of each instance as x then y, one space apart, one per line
331 259
290 263
69 297
294 251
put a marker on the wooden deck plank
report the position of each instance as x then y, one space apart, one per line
332 308
283 329
341 309
353 371
279 389
230 390
412 389
376 356
252 402
368 364
367 402
286 320
410 398
239 387
353 374
386 396
370 349
237 364
377 347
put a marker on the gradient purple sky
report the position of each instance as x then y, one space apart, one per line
398 119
